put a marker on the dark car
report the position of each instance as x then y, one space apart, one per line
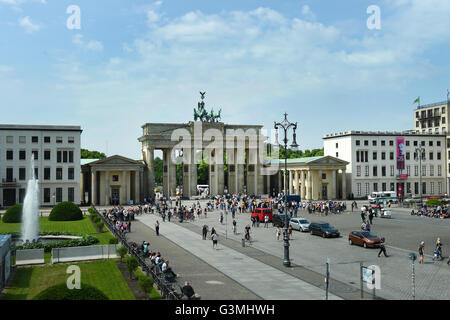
323 229
279 219
364 238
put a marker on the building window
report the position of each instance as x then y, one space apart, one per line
383 186
375 171
9 139
366 142
430 143
46 173
407 143
35 139
115 178
357 142
72 140
391 142
416 171
407 156
439 170
431 170
392 171
358 171
408 187
431 155
416 187
36 173
375 187
391 156
59 139
9 155
438 156
415 143
336 145
58 156
367 171
70 194
22 155
324 176
383 143
383 156
383 171
47 195
70 156
438 143
70 174
58 173
22 173
35 154
58 195
432 187
374 156
392 186
46 139
408 170
366 156
424 187
367 188
424 171
47 154
357 155
64 156
374 143
422 143
337 154
358 189
22 139
439 187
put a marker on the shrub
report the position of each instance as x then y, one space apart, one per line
92 211
132 264
122 251
65 211
61 292
113 241
86 240
100 226
145 283
13 214
433 202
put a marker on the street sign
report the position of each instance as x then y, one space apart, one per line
412 256
368 275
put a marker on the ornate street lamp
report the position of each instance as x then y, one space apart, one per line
420 151
285 125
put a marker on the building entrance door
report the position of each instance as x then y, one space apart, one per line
9 197
115 196
324 192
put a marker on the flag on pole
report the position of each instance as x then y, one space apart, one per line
417 101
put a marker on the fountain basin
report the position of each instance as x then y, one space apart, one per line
45 239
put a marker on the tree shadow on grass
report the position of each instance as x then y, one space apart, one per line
20 278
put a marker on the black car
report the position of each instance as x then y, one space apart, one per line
279 219
323 229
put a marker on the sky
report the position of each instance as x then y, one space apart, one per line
133 62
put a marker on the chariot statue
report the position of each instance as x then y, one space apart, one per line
201 114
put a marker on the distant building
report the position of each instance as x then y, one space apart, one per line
56 152
385 161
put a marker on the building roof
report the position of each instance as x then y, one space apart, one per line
319 160
382 133
39 127
86 161
297 160
435 104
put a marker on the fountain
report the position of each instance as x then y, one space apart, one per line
30 209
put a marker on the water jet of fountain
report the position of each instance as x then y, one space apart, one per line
30 209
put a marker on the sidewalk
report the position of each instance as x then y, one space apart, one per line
264 280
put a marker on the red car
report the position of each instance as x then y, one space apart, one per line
261 213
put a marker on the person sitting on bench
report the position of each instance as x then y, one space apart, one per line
167 271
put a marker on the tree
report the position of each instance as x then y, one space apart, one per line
158 169
122 251
87 154
132 265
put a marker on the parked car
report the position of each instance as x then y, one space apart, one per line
261 213
364 238
278 220
300 224
323 229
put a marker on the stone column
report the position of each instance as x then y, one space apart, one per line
344 185
149 154
107 187
333 184
296 191
279 180
302 186
94 187
291 186
190 173
123 188
309 197
82 183
319 185
136 187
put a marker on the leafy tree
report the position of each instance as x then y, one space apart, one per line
121 251
132 265
158 169
203 173
87 154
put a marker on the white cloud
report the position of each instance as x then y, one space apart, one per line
29 26
92 45
307 13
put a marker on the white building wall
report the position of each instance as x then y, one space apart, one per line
63 132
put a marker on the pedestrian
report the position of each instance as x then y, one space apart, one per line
205 231
421 251
278 233
290 231
253 221
213 230
129 226
221 218
157 227
370 217
169 215
214 238
234 226
266 221
382 248
164 216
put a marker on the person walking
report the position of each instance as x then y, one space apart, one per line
382 248
205 231
157 227
214 238
278 233
221 218
169 215
370 217
421 251
266 221
290 232
234 226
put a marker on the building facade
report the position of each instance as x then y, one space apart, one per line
386 161
434 118
56 153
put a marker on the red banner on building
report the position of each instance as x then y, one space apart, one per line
400 153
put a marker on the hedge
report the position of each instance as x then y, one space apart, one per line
61 292
13 214
86 240
433 203
65 211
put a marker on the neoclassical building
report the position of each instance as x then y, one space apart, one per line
312 178
113 180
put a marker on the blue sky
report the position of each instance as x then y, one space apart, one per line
134 62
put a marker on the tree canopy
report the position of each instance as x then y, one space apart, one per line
87 154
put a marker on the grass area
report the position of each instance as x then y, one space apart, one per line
80 227
154 294
104 275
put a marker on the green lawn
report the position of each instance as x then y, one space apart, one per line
104 275
80 227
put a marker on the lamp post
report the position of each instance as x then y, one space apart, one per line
285 125
420 151
181 184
